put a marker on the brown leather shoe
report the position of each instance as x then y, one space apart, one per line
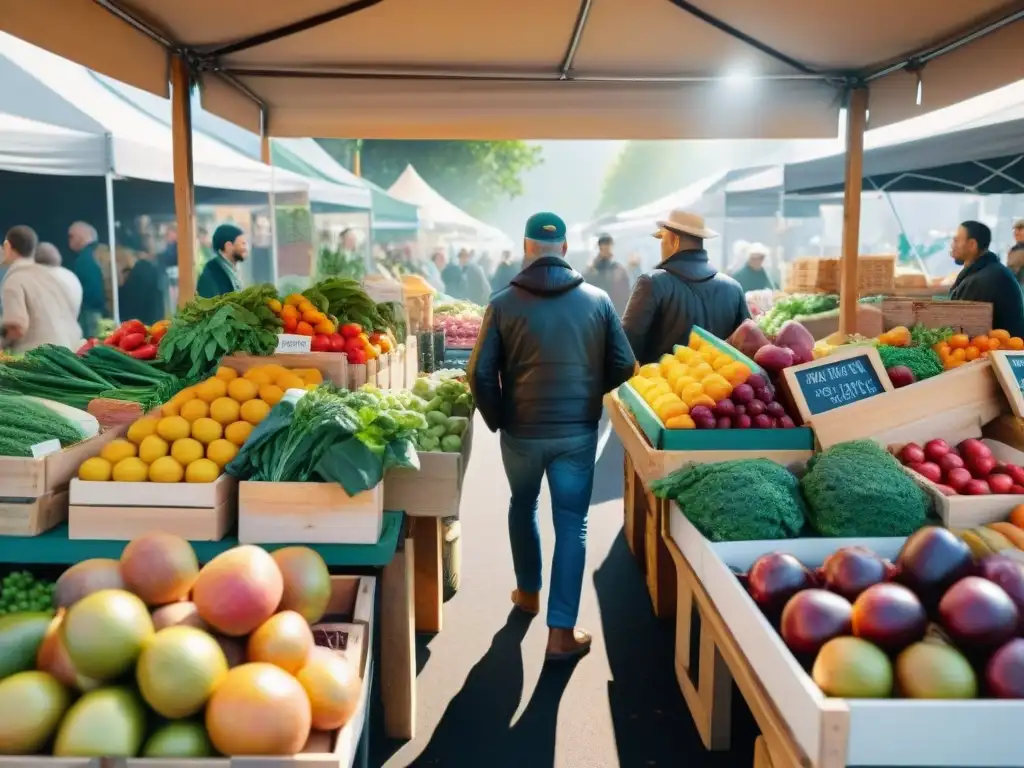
565 644
527 602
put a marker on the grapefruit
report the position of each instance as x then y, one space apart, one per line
178 669
31 707
307 583
104 633
238 590
177 615
53 658
184 738
259 709
110 722
159 567
284 639
86 577
333 686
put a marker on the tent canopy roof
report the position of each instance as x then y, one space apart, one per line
641 69
435 210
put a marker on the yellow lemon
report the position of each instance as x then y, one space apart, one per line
289 381
142 428
206 431
696 342
275 371
671 410
254 411
238 432
224 410
220 452
96 469
116 450
650 370
211 389
202 471
707 354
659 389
194 409
187 450
130 470
241 390
170 409
716 387
665 400
735 373
166 470
189 393
271 394
258 376
153 447
227 374
172 428
721 361
679 372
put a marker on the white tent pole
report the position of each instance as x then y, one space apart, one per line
112 244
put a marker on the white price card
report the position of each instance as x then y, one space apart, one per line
45 448
292 344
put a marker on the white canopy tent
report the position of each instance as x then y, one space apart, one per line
28 146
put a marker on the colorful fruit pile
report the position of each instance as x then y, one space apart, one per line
969 469
199 430
959 348
227 661
133 338
302 318
702 387
936 625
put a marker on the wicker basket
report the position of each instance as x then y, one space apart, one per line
875 274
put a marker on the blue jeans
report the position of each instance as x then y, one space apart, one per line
568 463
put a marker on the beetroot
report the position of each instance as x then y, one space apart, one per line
911 453
901 376
742 421
774 359
764 421
748 338
756 408
797 339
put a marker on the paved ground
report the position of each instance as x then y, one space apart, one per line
484 700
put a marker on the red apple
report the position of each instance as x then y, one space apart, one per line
957 479
936 449
972 448
976 488
999 483
950 461
980 466
928 470
911 453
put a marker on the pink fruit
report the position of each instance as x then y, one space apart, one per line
813 617
784 423
972 448
928 470
890 616
724 422
911 453
763 421
950 461
764 394
1017 473
935 449
743 393
976 488
980 466
957 479
1016 488
725 408
901 376
978 614
756 408
238 590
706 422
945 490
756 381
998 483
159 567
776 577
1004 672
701 412
742 421
775 410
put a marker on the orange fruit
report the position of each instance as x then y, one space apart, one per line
689 393
702 400
1017 516
942 348
959 341
981 342
1015 342
680 422
960 354
999 334
951 363
993 343
716 387
304 329
289 312
971 353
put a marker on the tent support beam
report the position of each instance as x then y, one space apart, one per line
184 183
849 292
577 35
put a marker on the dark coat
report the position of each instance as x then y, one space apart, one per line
550 346
454 281
142 297
477 286
89 274
503 275
612 278
988 279
217 279
753 279
682 292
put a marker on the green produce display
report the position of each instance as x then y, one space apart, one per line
922 336
21 634
739 500
21 591
448 405
923 362
24 423
858 489
801 305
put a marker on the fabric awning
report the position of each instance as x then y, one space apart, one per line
645 69
28 146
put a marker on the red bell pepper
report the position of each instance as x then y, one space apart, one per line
350 330
132 341
134 326
337 342
145 352
115 338
320 343
356 356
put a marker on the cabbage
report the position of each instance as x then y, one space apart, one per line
438 430
457 425
437 417
451 443
427 442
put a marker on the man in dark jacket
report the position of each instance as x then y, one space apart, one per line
985 278
550 346
82 241
608 275
474 276
684 291
220 275
454 279
504 272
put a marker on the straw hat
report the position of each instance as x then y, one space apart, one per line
686 223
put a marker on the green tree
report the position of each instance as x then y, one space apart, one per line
647 170
474 175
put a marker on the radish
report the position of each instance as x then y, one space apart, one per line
724 422
958 478
947 491
950 461
756 408
928 470
784 422
999 483
973 448
725 408
743 393
741 421
1015 472
935 449
764 421
911 453
981 466
977 488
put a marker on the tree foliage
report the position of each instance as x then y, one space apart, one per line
474 175
647 170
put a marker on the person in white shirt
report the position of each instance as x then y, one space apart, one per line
48 255
37 308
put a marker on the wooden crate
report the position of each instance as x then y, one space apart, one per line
31 517
659 571
350 617
333 365
970 317
435 490
412 361
122 511
45 761
634 511
308 513
875 275
376 372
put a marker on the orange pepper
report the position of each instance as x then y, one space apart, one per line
972 353
289 311
959 341
313 316
951 364
325 327
942 348
896 337
981 342
958 354
290 324
275 306
304 329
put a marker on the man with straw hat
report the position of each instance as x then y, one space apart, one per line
684 290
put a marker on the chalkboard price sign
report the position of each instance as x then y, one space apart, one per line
832 382
1009 370
1016 363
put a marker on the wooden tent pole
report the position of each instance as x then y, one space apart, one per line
184 187
856 120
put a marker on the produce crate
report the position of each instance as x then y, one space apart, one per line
970 317
875 274
411 362
122 511
435 490
308 513
348 627
803 726
376 372
333 365
795 439
33 492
